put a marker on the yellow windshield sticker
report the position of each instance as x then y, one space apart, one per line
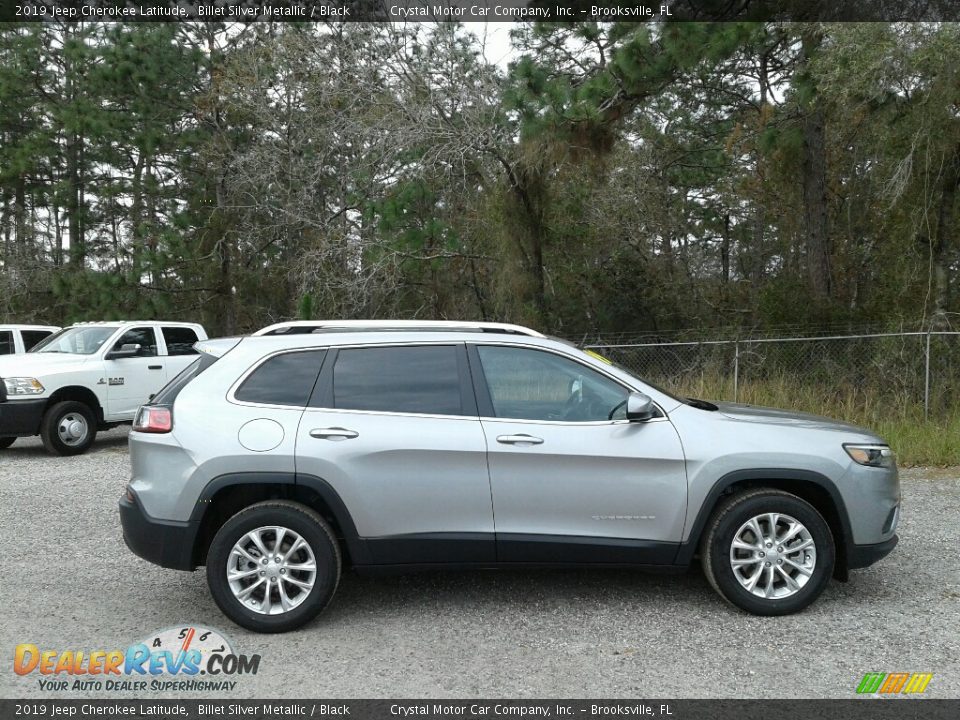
598 356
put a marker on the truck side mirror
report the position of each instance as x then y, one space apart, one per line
126 351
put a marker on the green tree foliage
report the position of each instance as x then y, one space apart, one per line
616 177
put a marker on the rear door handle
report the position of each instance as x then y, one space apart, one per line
334 433
521 439
154 367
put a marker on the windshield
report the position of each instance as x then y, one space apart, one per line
631 373
77 340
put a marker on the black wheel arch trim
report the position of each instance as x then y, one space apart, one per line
357 548
689 548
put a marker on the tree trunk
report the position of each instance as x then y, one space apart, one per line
725 251
942 249
815 199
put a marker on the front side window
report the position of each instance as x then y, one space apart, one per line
285 379
528 384
423 380
180 340
33 337
6 342
144 337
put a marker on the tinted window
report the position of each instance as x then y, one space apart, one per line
283 379
398 379
144 337
180 340
6 342
168 393
536 385
32 337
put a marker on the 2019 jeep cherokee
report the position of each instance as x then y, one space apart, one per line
276 460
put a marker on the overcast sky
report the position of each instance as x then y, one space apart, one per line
494 38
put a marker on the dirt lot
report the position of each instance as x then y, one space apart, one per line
71 583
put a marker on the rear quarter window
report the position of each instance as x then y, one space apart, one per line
285 379
168 393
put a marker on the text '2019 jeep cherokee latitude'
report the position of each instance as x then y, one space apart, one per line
276 460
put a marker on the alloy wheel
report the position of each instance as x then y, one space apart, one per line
773 556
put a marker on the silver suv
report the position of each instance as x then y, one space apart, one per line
277 460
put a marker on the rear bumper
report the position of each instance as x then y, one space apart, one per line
165 543
21 418
861 556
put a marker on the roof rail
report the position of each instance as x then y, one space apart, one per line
304 327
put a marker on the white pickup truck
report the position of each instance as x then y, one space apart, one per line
18 339
87 377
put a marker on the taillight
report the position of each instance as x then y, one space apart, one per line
153 419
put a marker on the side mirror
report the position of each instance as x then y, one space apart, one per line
640 407
126 351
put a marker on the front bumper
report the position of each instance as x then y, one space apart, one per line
861 556
165 543
21 418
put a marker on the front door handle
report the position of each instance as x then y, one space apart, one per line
334 433
154 367
521 439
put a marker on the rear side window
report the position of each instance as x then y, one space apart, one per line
283 379
422 380
32 337
6 342
180 340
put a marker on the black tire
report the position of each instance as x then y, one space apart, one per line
6 442
52 420
293 516
727 520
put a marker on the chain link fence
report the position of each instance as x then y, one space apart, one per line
857 377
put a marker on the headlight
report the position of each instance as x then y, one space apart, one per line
870 455
23 386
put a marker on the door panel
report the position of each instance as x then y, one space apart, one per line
569 484
394 430
178 342
616 480
131 381
401 475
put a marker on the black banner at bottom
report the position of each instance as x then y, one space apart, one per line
855 709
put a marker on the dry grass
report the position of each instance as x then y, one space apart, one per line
896 418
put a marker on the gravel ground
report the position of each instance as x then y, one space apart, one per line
71 583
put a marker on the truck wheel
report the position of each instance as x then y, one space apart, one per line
6 442
768 552
273 566
68 428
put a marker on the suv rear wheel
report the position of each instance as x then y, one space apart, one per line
6 442
68 428
768 552
273 566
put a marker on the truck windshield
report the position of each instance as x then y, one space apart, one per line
77 340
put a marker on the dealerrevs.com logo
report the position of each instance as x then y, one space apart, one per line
176 659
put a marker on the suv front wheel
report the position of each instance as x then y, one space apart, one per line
768 552
273 566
